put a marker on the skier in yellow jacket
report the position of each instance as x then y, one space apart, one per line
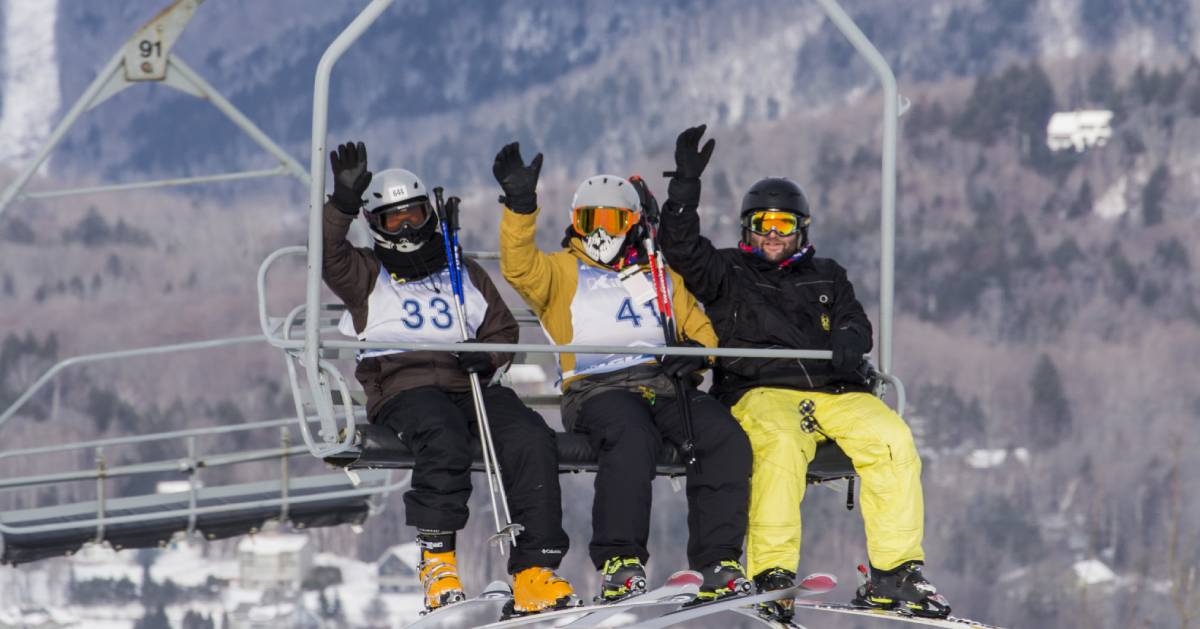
627 404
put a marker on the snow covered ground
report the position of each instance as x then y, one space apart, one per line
186 565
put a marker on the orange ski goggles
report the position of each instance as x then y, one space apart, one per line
782 222
615 221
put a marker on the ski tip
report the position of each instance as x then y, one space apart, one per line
819 581
685 577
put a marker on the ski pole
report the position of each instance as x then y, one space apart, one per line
489 460
671 336
448 217
662 295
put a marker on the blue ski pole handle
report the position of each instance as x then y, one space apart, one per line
452 262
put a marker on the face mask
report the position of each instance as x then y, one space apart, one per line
601 247
402 245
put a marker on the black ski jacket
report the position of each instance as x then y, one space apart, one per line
756 303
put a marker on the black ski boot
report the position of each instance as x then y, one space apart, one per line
903 589
776 579
622 577
722 580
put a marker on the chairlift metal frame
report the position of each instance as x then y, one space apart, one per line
146 57
378 483
319 373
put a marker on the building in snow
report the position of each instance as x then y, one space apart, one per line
1079 130
274 561
397 569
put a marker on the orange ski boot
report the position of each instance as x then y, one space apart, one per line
537 589
439 578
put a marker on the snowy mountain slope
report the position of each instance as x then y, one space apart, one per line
589 82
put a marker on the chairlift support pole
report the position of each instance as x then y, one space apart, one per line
316 200
887 219
146 57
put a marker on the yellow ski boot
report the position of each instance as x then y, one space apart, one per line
537 589
439 577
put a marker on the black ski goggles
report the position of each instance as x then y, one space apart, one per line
394 219
782 222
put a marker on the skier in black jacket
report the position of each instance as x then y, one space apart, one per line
770 291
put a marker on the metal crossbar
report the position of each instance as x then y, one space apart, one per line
190 464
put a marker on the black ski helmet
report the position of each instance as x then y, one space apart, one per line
777 193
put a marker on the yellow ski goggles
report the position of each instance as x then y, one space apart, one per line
615 221
782 222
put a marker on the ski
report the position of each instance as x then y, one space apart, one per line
680 588
812 584
950 622
817 583
496 592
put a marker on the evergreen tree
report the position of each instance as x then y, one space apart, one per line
1154 194
195 620
1102 86
1082 205
1050 416
153 619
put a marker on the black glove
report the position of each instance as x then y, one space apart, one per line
518 181
683 366
350 176
475 362
848 351
690 161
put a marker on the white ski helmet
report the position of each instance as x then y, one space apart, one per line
605 191
395 191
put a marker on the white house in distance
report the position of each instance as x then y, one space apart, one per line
274 561
1079 130
397 569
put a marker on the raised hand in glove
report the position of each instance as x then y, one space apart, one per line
350 176
848 351
518 181
475 362
683 366
690 162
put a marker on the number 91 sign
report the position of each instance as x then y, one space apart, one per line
145 54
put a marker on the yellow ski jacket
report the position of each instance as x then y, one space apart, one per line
549 283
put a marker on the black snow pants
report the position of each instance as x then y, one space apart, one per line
440 426
626 431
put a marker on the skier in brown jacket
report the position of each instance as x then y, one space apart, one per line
400 291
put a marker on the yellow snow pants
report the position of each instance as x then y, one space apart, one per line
877 441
